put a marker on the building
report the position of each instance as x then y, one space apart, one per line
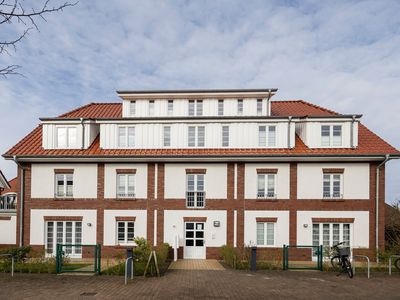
8 205
204 168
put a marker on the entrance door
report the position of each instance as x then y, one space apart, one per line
64 232
194 241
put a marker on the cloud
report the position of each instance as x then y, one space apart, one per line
340 54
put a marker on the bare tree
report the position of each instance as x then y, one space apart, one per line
15 11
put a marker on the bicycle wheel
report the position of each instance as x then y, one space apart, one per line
397 264
335 262
347 267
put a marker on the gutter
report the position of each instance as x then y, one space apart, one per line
352 132
21 201
83 134
288 132
387 158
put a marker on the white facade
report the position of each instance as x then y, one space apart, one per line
110 229
174 226
282 183
215 180
359 235
355 183
281 228
181 108
110 179
43 180
8 232
89 223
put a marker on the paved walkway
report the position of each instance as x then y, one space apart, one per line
183 284
196 264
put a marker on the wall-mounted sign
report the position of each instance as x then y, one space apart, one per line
217 223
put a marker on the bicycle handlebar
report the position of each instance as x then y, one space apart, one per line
337 244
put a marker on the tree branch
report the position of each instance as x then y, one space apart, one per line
10 70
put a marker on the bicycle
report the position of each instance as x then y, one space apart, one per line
397 263
340 259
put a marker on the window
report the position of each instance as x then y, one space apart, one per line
126 136
125 232
167 136
64 185
151 108
170 109
331 135
125 185
259 107
195 194
132 108
240 107
195 107
329 234
266 186
332 186
225 136
196 136
262 136
220 107
8 202
265 234
64 232
66 137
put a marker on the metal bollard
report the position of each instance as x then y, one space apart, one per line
253 259
129 270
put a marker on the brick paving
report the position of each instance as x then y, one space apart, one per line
196 264
201 284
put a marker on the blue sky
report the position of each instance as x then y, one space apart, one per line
344 55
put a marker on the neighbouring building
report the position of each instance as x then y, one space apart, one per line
202 168
8 216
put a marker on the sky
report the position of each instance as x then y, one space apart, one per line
343 55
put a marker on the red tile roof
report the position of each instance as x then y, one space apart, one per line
368 142
13 187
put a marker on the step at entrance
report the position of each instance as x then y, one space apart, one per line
196 264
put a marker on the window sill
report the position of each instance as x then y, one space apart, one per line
126 199
266 200
333 200
64 199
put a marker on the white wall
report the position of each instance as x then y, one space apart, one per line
110 179
8 231
282 179
355 180
150 135
281 226
215 180
174 225
110 228
37 225
43 180
210 107
359 236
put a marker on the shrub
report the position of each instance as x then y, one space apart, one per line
20 254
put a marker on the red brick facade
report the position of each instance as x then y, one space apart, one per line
155 204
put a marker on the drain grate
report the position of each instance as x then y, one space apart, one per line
88 294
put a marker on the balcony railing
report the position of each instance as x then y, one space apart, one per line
126 195
196 199
268 195
8 202
333 195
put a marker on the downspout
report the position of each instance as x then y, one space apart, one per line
21 201
269 103
387 158
288 132
83 134
352 131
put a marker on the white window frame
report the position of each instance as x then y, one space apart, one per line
331 142
259 107
129 141
170 107
65 180
151 108
265 140
198 140
126 241
331 242
75 251
225 136
265 236
70 141
167 136
132 108
196 190
240 107
128 193
265 194
195 108
220 107
331 194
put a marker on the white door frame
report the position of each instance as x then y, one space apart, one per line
194 235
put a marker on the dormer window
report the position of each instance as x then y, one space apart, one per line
220 107
151 108
66 137
263 137
170 108
126 136
259 107
240 107
331 135
132 108
195 108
